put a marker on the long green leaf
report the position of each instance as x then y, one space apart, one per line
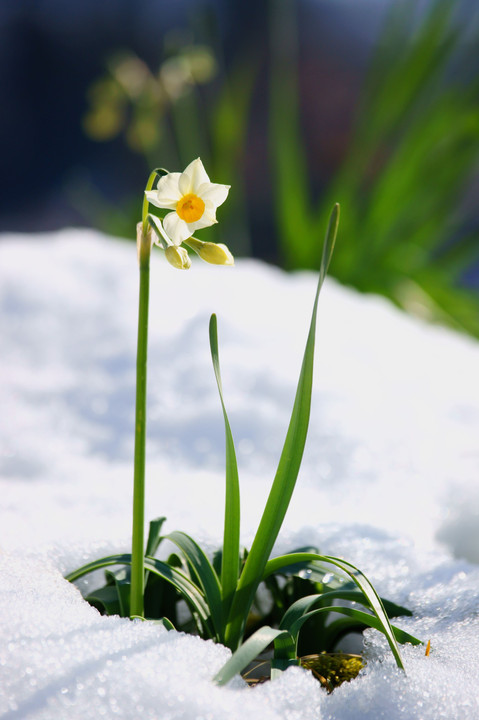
357 596
124 559
250 649
189 591
361 617
206 576
288 468
361 581
336 630
230 561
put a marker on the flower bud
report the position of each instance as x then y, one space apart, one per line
216 254
178 257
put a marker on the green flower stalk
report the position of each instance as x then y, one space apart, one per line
192 200
144 243
137 548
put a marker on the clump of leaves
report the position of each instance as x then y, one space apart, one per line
305 586
410 231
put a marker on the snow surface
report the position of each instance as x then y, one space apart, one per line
388 481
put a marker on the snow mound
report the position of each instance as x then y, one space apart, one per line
388 481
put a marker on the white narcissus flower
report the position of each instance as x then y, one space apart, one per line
192 198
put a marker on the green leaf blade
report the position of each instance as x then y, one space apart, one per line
154 536
247 653
187 588
189 591
358 578
231 537
288 467
124 559
206 576
360 617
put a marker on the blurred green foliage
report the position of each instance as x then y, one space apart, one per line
165 117
414 150
404 184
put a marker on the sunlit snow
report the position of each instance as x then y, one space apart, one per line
389 479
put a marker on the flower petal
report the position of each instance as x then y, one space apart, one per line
209 212
214 193
176 228
208 218
152 197
167 192
193 177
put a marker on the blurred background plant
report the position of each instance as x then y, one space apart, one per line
297 104
163 117
406 183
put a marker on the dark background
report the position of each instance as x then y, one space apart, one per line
52 51
55 174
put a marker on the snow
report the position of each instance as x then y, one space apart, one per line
388 481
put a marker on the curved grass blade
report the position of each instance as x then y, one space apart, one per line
166 623
230 562
121 579
153 543
336 630
358 578
245 654
154 536
206 576
105 600
188 590
124 559
288 467
285 654
391 608
298 609
161 598
359 616
305 607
